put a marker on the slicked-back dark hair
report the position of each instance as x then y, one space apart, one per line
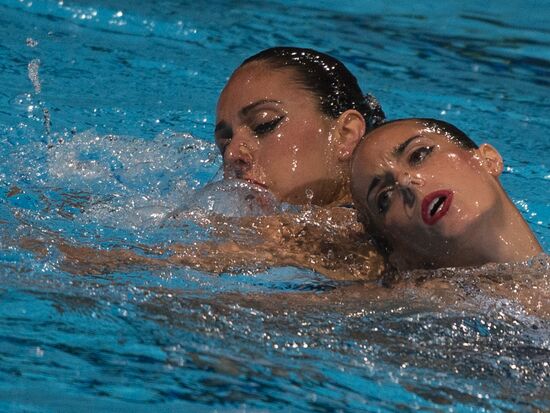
325 77
453 133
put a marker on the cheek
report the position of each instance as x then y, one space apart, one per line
401 226
300 150
395 223
463 164
282 158
469 176
454 170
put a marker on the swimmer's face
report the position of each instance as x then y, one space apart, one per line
422 193
271 132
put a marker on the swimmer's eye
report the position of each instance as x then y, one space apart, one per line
383 201
267 127
418 155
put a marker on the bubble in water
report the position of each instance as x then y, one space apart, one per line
31 42
232 198
47 121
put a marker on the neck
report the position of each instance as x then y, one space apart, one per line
503 236
343 197
512 239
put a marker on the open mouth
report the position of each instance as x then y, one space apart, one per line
436 205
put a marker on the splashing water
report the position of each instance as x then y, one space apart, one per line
94 155
33 67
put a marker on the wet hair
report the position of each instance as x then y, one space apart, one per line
451 131
325 77
454 134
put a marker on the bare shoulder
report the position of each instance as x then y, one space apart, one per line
525 285
327 240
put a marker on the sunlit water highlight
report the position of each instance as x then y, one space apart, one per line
106 120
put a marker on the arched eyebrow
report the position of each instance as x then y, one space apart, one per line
399 149
244 112
248 108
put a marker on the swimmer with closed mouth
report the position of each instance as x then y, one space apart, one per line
431 198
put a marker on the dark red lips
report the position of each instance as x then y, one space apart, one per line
436 205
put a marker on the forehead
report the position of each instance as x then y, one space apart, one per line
378 151
257 81
383 140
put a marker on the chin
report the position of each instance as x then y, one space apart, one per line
458 226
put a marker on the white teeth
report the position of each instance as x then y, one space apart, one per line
436 204
432 205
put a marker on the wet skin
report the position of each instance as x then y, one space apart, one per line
270 131
436 203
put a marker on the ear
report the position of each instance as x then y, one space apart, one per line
350 127
492 161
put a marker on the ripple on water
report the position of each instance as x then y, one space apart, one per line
108 170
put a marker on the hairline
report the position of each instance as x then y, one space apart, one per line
296 75
463 141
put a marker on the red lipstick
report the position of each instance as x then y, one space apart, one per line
436 205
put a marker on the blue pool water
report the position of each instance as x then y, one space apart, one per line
106 124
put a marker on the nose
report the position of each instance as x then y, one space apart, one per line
405 180
238 157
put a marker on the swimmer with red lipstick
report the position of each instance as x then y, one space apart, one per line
431 198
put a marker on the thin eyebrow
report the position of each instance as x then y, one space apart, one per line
399 149
246 110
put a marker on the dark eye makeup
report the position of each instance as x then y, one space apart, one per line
418 155
267 127
224 133
383 200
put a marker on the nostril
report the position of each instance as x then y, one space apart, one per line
238 169
417 180
236 165
405 179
